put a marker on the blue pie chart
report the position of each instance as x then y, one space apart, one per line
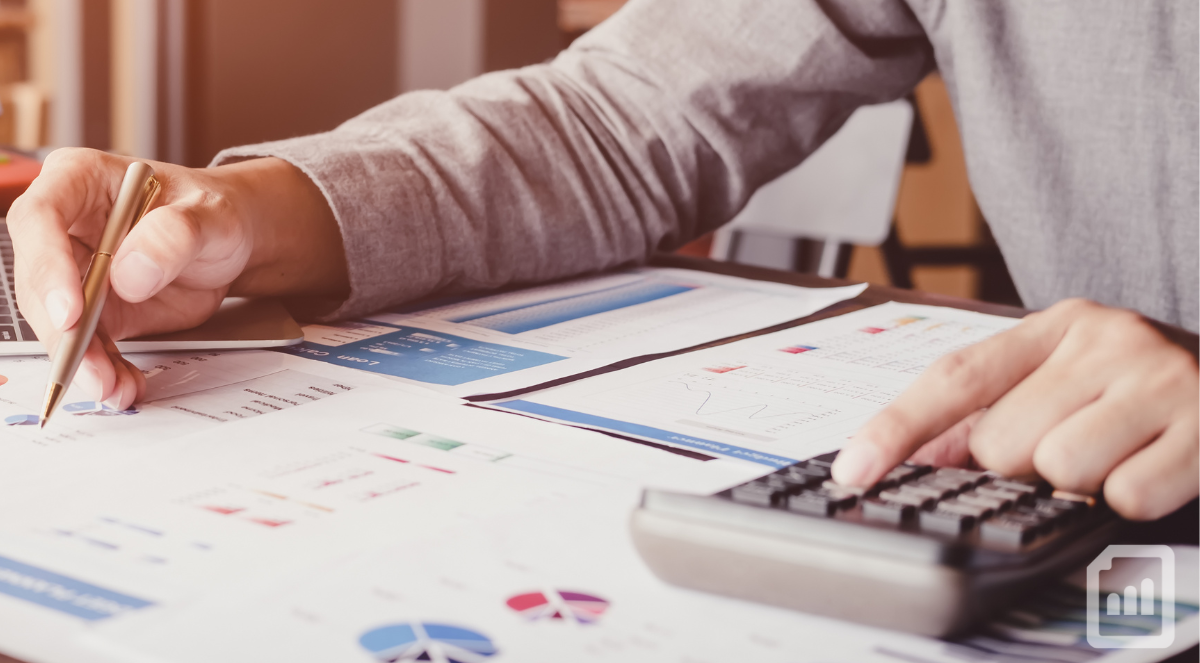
94 408
22 420
400 643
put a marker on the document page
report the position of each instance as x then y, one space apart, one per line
185 392
240 503
564 583
515 340
771 399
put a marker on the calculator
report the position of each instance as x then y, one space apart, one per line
926 550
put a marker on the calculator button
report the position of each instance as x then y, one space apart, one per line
792 485
941 521
1007 532
882 485
994 503
819 472
849 497
775 481
809 470
882 511
991 490
812 504
945 483
901 474
932 492
907 472
754 493
853 490
1063 510
1039 523
1039 489
975 478
795 484
906 497
821 502
976 511
1052 518
1008 484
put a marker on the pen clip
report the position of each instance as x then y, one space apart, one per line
150 191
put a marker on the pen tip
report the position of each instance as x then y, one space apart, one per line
54 394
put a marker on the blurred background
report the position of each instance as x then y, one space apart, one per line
178 80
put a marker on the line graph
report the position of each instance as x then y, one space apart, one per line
753 400
804 389
756 411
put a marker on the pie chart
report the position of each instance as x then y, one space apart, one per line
439 643
559 604
92 407
22 420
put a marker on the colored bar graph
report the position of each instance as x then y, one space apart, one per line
528 317
798 349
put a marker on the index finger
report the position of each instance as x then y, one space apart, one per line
949 390
71 188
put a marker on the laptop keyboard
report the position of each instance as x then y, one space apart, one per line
13 326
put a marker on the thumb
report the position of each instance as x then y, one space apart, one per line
158 248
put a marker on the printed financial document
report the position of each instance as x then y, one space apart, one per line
772 399
185 393
236 505
562 582
515 340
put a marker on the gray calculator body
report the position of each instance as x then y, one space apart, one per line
852 561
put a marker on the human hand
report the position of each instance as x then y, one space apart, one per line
1083 395
237 229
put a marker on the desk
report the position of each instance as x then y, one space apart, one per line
1178 528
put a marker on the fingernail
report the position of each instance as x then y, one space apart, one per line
114 400
89 381
138 275
57 307
855 465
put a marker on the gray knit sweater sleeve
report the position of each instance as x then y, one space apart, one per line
650 130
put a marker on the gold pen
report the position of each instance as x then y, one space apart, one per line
137 192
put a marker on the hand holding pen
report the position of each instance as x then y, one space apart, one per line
138 190
253 228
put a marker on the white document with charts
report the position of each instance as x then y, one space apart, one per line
185 393
772 399
236 504
519 339
562 582
264 507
